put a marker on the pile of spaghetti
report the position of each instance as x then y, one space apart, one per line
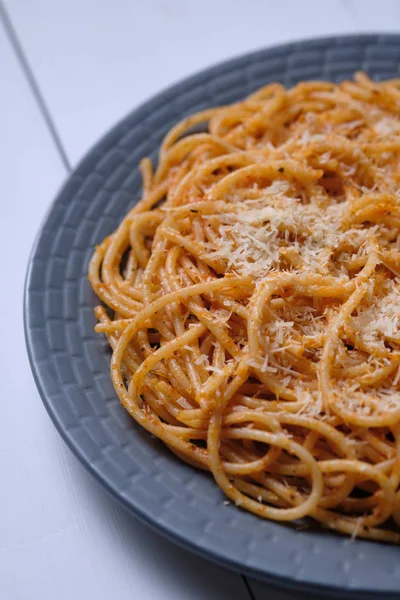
252 302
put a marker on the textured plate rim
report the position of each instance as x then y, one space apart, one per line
268 577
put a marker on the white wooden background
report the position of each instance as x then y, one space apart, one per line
69 69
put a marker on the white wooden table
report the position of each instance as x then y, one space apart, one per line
69 69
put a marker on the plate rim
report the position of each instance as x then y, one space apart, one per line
207 552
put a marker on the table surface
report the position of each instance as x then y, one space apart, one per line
69 70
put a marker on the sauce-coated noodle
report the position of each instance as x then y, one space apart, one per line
255 301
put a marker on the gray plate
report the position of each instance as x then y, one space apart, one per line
71 363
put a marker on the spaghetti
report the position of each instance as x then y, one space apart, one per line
254 302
